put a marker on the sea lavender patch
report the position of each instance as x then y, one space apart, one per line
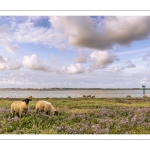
102 119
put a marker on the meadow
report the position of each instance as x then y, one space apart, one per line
80 116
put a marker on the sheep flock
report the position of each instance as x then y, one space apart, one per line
21 107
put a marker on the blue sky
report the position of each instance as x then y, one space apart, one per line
74 51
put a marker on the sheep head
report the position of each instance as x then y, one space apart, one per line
56 113
27 100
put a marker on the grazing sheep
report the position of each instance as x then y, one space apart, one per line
46 107
93 96
144 96
20 107
128 96
88 96
84 96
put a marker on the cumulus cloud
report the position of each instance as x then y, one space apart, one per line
6 39
9 63
29 32
129 64
121 29
3 63
82 58
32 62
73 69
86 32
83 31
14 64
101 59
79 30
146 56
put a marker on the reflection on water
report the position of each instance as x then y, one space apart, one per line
72 93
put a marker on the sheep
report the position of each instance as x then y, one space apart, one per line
128 96
20 107
144 96
89 96
84 96
46 107
93 96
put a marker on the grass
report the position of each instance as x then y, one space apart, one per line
80 116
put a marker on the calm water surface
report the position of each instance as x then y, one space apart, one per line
72 93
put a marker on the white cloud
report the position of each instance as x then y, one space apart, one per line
121 29
28 32
82 58
9 64
101 59
11 48
73 69
146 56
129 64
6 39
3 63
14 64
16 81
79 30
82 31
116 69
87 32
33 63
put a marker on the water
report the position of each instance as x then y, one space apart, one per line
73 93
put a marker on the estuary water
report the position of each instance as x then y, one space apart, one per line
7 93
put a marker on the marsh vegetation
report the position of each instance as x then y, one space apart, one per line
80 116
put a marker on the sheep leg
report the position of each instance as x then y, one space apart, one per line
12 113
37 110
47 112
17 114
20 114
25 111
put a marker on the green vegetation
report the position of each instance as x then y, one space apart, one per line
80 116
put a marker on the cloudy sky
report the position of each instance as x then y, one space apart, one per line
74 51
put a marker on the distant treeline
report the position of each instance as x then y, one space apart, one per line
74 88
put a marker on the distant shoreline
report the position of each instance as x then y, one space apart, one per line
55 89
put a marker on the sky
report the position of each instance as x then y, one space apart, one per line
74 51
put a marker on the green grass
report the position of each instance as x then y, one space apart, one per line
80 116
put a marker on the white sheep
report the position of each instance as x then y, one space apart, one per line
84 96
47 107
88 96
20 107
128 96
144 96
93 96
